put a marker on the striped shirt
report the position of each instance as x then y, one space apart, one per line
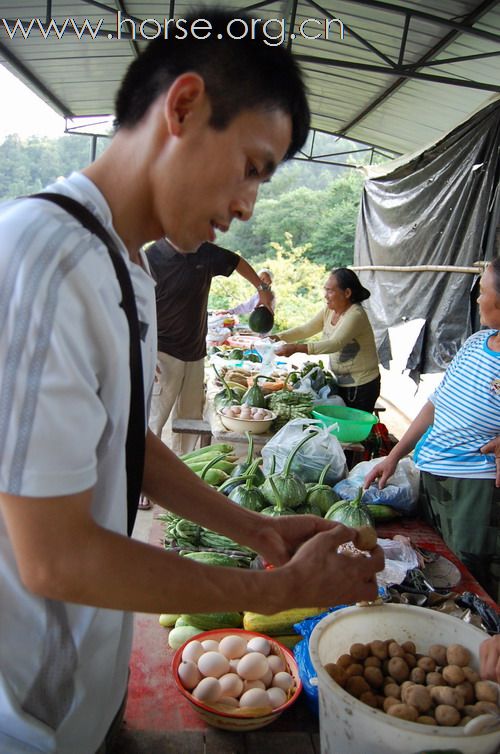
466 415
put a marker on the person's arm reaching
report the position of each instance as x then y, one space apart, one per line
307 330
63 554
386 468
489 658
246 271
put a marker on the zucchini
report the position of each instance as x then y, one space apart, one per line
209 621
279 623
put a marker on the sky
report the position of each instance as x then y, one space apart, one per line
26 113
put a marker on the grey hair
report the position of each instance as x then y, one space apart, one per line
266 271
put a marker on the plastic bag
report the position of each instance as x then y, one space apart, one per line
315 384
322 448
401 491
400 557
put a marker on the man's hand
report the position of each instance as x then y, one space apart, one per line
489 657
266 299
493 447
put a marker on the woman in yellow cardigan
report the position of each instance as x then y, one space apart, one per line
347 338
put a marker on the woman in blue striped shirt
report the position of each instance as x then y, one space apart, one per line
456 437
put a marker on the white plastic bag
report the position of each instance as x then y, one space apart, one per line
322 448
400 492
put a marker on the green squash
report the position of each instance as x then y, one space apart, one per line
279 508
225 397
261 320
351 512
254 395
247 494
236 354
321 495
290 488
243 467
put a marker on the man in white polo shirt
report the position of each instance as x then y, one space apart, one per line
200 125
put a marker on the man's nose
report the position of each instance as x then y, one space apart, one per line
243 205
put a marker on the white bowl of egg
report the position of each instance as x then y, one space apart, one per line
246 419
235 679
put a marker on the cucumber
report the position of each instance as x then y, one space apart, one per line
221 447
212 558
167 620
209 621
382 512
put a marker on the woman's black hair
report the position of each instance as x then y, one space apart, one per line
250 72
346 278
494 266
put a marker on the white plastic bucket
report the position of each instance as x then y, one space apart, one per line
348 726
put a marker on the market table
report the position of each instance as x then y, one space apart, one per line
159 719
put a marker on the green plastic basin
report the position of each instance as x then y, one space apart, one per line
353 425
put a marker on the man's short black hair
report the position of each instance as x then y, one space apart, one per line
239 74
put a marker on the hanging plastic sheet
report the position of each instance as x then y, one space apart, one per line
436 209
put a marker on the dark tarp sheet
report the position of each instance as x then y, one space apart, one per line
439 208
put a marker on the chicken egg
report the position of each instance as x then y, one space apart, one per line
267 677
208 690
258 684
189 674
213 664
283 681
275 663
229 701
192 651
231 684
252 666
259 644
233 646
210 645
254 698
276 696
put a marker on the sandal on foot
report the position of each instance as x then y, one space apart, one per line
144 503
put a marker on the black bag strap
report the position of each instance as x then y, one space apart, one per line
136 432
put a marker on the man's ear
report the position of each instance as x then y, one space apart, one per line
185 97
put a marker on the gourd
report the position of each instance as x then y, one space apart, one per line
278 623
351 512
248 495
226 396
261 320
279 508
242 468
320 494
210 621
254 395
291 490
180 634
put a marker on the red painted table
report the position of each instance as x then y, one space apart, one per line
157 713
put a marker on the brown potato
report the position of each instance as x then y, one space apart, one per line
486 692
359 651
388 703
426 663
373 662
345 660
470 675
470 711
434 679
409 647
484 708
419 697
467 690
354 669
464 720
417 675
366 538
447 696
438 653
426 720
395 650
453 674
392 690
374 677
378 649
398 669
368 697
337 673
410 659
356 686
456 654
404 712
445 714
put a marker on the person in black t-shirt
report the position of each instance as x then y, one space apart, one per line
182 288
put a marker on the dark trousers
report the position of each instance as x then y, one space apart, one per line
362 397
466 513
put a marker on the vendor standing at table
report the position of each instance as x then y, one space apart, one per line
347 337
456 437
